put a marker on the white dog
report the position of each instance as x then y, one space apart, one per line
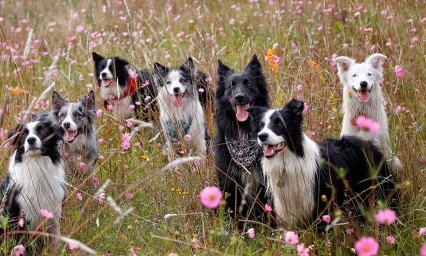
362 95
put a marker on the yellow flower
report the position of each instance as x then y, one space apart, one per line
324 198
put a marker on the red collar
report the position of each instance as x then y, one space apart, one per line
132 86
353 120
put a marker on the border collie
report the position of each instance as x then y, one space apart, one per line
35 178
129 93
237 154
181 112
362 95
307 179
78 121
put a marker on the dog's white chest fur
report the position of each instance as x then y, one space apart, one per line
190 111
291 182
41 187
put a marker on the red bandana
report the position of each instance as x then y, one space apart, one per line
132 86
361 113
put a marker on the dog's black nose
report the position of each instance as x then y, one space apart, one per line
103 74
176 89
262 136
363 84
31 140
240 97
67 125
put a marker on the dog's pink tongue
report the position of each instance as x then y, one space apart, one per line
106 82
269 151
242 113
364 95
70 135
177 100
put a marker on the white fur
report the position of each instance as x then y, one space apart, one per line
190 108
106 71
69 119
32 134
41 183
273 139
373 109
172 82
291 182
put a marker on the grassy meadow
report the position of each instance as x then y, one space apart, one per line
50 42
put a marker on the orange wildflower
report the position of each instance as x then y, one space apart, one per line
18 90
313 64
273 65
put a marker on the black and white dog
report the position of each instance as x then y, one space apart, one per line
180 103
78 120
36 179
237 154
307 179
129 93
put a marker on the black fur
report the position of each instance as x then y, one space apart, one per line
146 109
252 84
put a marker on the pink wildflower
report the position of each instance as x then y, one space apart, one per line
367 246
390 239
422 231
326 218
268 208
125 140
19 249
211 196
99 112
367 124
302 250
251 233
46 214
21 223
72 246
291 238
414 39
173 254
195 242
187 137
101 198
398 109
386 216
399 71
95 181
79 196
82 165
423 250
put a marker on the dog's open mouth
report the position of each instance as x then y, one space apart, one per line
271 150
242 114
177 99
70 135
107 82
363 95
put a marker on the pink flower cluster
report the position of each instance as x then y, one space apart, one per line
367 124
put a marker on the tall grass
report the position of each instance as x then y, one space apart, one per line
50 42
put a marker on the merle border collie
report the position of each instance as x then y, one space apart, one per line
78 121
362 95
35 178
307 179
129 93
237 154
181 110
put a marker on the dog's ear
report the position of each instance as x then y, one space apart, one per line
188 65
89 101
343 66
59 131
97 57
223 70
254 65
57 102
15 135
160 69
295 106
376 60
120 62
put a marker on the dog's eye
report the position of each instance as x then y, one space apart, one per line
354 75
246 81
369 74
182 80
168 82
25 132
78 114
232 83
261 125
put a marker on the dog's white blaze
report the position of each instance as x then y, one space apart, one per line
373 109
41 183
106 71
272 139
358 73
174 76
31 134
291 182
69 119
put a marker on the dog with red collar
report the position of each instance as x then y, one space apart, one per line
126 92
